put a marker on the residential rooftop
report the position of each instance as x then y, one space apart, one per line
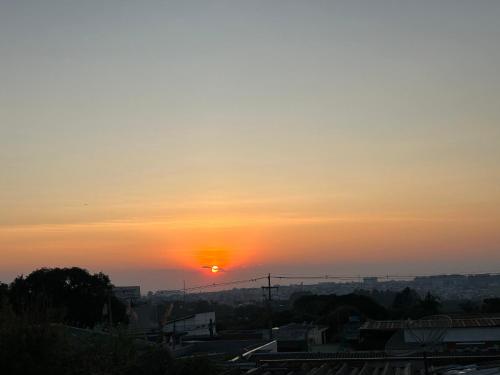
391 325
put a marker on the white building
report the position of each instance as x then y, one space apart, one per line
295 336
443 334
127 293
194 325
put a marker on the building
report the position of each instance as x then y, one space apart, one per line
370 282
199 325
364 363
452 334
127 293
299 337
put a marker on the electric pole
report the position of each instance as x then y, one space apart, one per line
184 290
269 307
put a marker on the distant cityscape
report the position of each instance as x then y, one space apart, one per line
446 287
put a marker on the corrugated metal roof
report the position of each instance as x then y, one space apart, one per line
343 368
387 366
430 323
379 355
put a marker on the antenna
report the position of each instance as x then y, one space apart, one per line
419 337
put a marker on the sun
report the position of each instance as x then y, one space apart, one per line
215 269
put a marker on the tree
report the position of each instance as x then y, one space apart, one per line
430 305
406 304
469 307
33 349
69 295
335 311
491 305
39 331
4 295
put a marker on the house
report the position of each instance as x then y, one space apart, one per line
197 325
450 334
299 337
366 363
127 294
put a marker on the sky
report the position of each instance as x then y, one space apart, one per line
147 139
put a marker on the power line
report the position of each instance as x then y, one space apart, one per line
185 290
214 285
322 277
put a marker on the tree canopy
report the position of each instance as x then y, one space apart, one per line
69 295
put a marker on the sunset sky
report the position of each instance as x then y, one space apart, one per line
147 139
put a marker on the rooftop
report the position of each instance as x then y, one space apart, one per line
431 323
377 368
373 363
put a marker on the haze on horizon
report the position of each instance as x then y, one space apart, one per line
154 138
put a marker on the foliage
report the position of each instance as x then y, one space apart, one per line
405 304
28 348
469 307
321 305
491 305
405 300
4 294
383 297
334 311
42 320
430 305
70 295
409 304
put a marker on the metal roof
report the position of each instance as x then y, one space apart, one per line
369 363
357 356
430 323
180 319
376 368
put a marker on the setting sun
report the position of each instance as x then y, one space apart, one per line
215 269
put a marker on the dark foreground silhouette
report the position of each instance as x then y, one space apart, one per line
46 322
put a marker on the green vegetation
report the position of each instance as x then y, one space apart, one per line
40 316
67 295
491 305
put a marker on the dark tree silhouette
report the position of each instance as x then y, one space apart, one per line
42 348
406 304
491 305
469 307
69 295
321 305
430 305
4 294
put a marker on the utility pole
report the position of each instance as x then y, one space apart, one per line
269 308
184 290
